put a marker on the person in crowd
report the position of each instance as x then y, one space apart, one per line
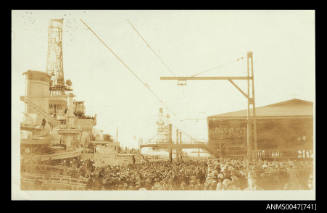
43 123
212 174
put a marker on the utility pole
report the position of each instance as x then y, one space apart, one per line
180 142
249 95
177 142
180 137
170 142
251 114
254 116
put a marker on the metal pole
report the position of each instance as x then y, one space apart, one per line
254 111
185 78
251 125
170 143
248 135
177 150
180 137
249 129
180 142
251 119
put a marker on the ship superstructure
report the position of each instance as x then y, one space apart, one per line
162 127
53 119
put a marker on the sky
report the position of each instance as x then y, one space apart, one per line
189 42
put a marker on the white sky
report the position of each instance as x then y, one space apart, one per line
189 42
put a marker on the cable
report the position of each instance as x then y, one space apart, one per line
219 66
126 66
167 67
135 75
148 45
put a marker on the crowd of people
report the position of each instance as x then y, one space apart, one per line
212 174
159 175
226 175
229 174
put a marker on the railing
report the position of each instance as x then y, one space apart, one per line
282 154
52 168
58 155
62 180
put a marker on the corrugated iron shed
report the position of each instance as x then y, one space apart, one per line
290 108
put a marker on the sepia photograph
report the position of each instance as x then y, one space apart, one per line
163 104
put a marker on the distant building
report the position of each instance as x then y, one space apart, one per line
283 129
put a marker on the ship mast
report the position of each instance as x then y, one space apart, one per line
55 59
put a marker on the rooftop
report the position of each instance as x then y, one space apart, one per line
293 107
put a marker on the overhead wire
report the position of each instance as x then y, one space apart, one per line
134 74
147 86
152 50
168 68
218 66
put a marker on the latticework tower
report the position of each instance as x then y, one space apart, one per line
55 57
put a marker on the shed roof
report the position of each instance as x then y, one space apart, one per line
289 108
